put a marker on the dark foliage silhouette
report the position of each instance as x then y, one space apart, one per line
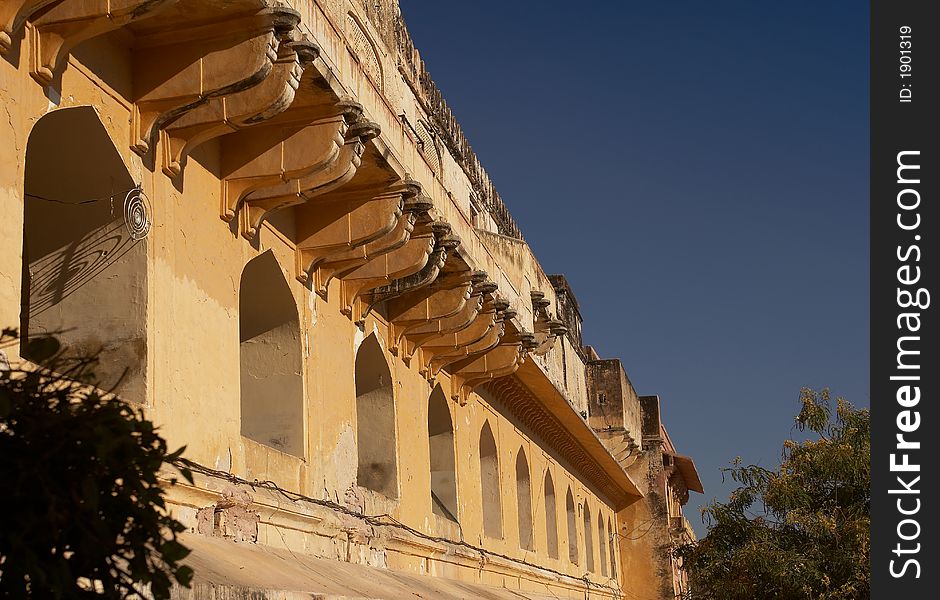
83 514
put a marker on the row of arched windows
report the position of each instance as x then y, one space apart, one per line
58 274
272 414
492 511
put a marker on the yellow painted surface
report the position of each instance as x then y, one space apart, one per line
190 354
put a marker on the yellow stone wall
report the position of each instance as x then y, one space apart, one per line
191 387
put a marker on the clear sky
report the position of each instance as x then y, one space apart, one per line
699 172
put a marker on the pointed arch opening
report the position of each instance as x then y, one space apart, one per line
375 416
572 528
489 484
588 539
524 501
610 545
551 516
602 543
441 456
84 278
271 358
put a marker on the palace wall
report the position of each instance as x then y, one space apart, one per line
266 220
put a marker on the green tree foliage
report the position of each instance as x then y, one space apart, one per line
82 511
801 531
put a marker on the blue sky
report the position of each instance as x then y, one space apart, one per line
699 172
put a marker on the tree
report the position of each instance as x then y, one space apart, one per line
801 531
82 510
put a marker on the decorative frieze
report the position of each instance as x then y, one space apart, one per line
533 412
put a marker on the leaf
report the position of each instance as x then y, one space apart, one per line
174 551
800 531
41 349
184 575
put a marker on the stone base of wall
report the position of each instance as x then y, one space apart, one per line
228 570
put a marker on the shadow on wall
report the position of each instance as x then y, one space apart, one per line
84 277
53 277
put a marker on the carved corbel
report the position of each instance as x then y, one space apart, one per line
342 224
547 328
482 335
60 27
539 301
264 158
445 298
178 69
13 13
313 161
226 114
420 255
382 284
341 265
500 361
442 328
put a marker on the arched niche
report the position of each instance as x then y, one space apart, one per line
572 520
441 456
551 516
489 484
271 358
84 277
524 501
602 543
588 539
375 416
610 545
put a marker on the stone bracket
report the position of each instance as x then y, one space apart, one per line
436 329
418 255
389 288
547 328
13 14
414 213
225 114
444 298
500 361
185 68
483 335
266 158
340 228
53 34
283 168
